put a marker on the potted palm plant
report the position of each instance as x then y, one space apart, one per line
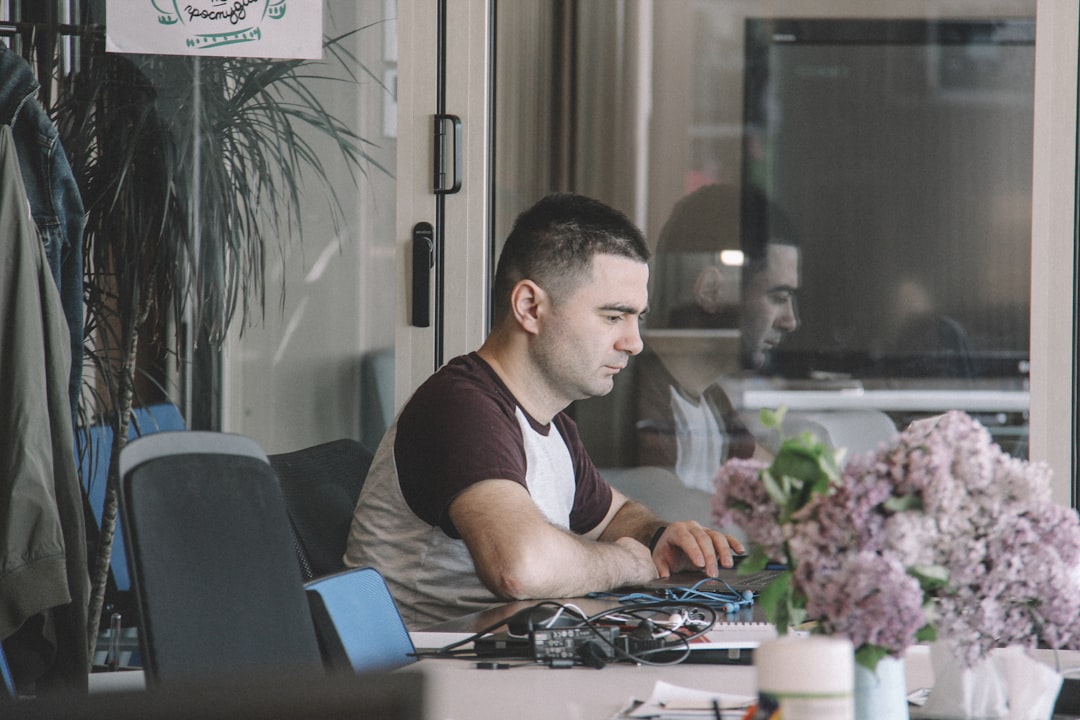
190 169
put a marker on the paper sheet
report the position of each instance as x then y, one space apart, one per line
672 702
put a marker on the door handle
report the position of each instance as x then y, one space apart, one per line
423 259
442 187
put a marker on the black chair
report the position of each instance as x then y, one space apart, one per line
213 568
321 484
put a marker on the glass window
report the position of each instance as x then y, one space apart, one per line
838 198
320 366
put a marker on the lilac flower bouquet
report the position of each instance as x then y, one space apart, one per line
937 534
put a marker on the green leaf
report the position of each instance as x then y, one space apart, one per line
739 506
799 460
775 602
927 633
902 504
796 613
869 655
773 489
755 561
930 577
773 419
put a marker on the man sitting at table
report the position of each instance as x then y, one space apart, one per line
481 491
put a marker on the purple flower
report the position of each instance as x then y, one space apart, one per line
942 502
868 597
740 499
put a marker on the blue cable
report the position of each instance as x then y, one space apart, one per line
729 601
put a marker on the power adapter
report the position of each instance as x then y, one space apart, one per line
561 644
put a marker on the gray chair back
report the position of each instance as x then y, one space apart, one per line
210 550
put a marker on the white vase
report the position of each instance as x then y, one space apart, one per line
881 693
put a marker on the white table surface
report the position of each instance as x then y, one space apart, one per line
458 690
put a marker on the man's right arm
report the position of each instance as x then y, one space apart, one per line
518 554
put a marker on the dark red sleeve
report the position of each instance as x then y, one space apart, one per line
456 430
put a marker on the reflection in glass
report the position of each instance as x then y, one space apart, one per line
898 150
902 149
710 319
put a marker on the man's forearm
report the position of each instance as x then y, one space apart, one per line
531 558
568 565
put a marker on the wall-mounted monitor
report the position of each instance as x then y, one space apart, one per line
901 153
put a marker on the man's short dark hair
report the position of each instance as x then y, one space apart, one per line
553 244
764 223
721 217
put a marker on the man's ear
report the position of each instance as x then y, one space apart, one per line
527 301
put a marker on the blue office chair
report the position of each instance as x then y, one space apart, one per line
358 624
213 569
92 454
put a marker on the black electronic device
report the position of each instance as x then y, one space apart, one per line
557 645
1068 700
574 643
541 616
503 645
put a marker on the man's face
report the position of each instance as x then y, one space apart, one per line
590 335
769 304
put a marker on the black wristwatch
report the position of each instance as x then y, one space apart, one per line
656 537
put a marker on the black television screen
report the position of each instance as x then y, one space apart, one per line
901 152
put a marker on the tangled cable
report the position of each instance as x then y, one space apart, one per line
661 627
730 600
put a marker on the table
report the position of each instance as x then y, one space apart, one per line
459 690
456 689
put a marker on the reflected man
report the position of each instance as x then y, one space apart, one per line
724 297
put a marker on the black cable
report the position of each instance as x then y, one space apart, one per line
699 615
449 649
679 642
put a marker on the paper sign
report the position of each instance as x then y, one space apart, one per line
236 28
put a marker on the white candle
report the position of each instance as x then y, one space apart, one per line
806 677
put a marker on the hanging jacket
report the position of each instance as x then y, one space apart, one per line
55 202
44 584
